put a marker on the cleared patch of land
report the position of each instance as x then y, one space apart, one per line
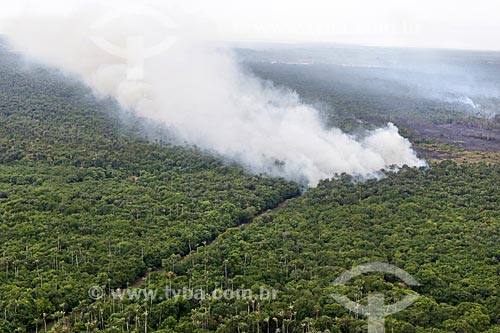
472 136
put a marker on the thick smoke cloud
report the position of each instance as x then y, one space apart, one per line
200 93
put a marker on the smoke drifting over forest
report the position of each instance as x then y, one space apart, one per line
200 92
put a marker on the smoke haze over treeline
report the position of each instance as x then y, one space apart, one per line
155 63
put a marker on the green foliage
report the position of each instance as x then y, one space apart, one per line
441 225
84 201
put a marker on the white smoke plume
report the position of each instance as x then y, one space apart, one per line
200 92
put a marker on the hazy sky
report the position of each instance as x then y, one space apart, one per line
463 24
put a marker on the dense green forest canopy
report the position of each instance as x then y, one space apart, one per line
87 200
84 200
441 225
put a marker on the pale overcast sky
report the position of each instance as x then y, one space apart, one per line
465 24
